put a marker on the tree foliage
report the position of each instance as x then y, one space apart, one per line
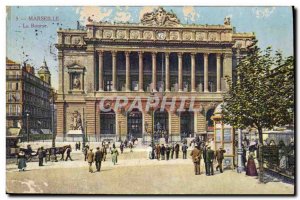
263 95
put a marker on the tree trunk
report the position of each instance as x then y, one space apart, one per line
260 135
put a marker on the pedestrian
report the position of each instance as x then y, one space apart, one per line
21 161
79 145
204 158
157 151
41 156
121 147
114 153
98 159
168 150
130 146
244 159
251 167
184 150
76 146
163 151
90 159
85 152
219 157
196 157
69 153
149 152
166 138
104 151
172 151
125 143
209 159
176 150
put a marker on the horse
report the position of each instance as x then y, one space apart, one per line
58 150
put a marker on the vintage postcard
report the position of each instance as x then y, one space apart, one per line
152 100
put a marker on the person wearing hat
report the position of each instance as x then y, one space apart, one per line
168 150
90 159
219 157
196 157
162 151
41 155
204 157
210 154
184 150
157 152
98 159
176 148
85 152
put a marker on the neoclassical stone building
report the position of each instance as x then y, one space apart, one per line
157 54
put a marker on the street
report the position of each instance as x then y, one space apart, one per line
133 174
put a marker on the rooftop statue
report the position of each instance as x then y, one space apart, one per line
160 18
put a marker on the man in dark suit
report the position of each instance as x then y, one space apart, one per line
204 158
184 150
163 151
41 156
196 157
210 154
172 151
157 151
98 159
219 157
176 148
168 149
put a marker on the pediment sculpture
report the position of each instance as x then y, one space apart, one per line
160 18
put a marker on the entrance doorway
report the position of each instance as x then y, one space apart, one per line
186 124
108 123
161 123
135 124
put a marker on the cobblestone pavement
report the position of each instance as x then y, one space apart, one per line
134 174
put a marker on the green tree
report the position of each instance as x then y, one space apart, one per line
263 94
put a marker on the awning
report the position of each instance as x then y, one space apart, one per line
13 132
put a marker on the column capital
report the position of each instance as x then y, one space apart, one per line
206 54
227 55
218 55
193 53
140 53
153 53
114 53
167 54
100 52
127 53
179 54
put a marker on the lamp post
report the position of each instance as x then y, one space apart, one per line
27 125
52 121
120 123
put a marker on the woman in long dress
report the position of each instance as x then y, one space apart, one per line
114 155
21 161
251 167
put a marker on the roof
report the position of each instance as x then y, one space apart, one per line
10 62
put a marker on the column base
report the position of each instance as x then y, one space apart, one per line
100 90
179 90
206 90
127 90
167 90
193 90
219 91
141 90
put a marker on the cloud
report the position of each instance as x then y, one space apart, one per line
264 12
147 9
122 14
190 13
95 13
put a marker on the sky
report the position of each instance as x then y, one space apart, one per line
273 26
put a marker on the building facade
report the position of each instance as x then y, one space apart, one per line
159 54
27 98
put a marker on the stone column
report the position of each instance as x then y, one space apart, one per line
127 56
154 71
205 72
167 56
141 72
179 72
218 72
114 70
100 54
193 72
227 67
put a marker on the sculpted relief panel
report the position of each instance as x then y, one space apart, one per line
134 34
200 36
121 34
187 36
160 18
212 36
148 35
174 35
107 34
